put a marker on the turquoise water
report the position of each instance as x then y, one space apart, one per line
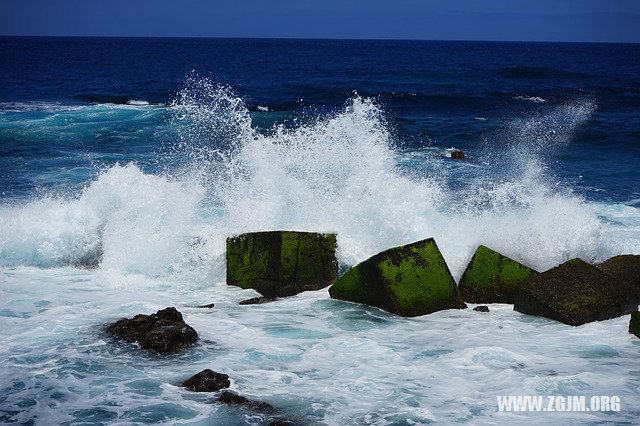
122 172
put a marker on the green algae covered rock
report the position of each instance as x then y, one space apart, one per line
282 263
634 324
575 293
409 280
491 277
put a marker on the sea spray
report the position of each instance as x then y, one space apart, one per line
336 173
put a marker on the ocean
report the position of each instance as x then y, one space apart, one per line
126 162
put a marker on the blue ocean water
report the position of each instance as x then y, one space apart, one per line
125 163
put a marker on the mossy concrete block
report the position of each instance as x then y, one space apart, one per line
282 263
575 293
625 267
409 280
491 277
634 324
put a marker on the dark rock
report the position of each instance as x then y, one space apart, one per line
625 267
491 277
165 331
481 308
282 263
232 398
209 306
634 324
207 381
575 293
410 280
257 300
457 154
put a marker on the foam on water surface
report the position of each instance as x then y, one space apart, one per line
157 240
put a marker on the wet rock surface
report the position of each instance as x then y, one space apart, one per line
491 277
625 267
208 306
410 280
282 263
232 398
575 293
165 331
257 300
634 324
481 308
206 381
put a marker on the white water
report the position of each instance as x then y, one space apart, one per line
159 240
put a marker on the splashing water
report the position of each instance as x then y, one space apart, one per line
337 173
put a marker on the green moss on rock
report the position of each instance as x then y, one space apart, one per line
634 324
575 293
282 263
491 277
409 280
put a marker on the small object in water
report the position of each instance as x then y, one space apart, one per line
206 381
209 306
257 300
481 308
232 398
457 154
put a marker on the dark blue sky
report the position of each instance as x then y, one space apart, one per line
531 20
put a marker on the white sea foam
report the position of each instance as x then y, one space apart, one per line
137 102
338 173
535 99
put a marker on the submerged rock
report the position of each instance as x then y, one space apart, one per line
491 277
257 300
481 308
409 280
457 154
282 263
165 331
625 267
575 293
209 306
634 324
232 398
207 381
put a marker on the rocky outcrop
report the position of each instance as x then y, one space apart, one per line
634 324
625 267
457 154
282 263
491 277
481 308
410 280
575 293
165 331
208 306
207 381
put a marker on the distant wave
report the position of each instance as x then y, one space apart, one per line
112 99
536 99
538 72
